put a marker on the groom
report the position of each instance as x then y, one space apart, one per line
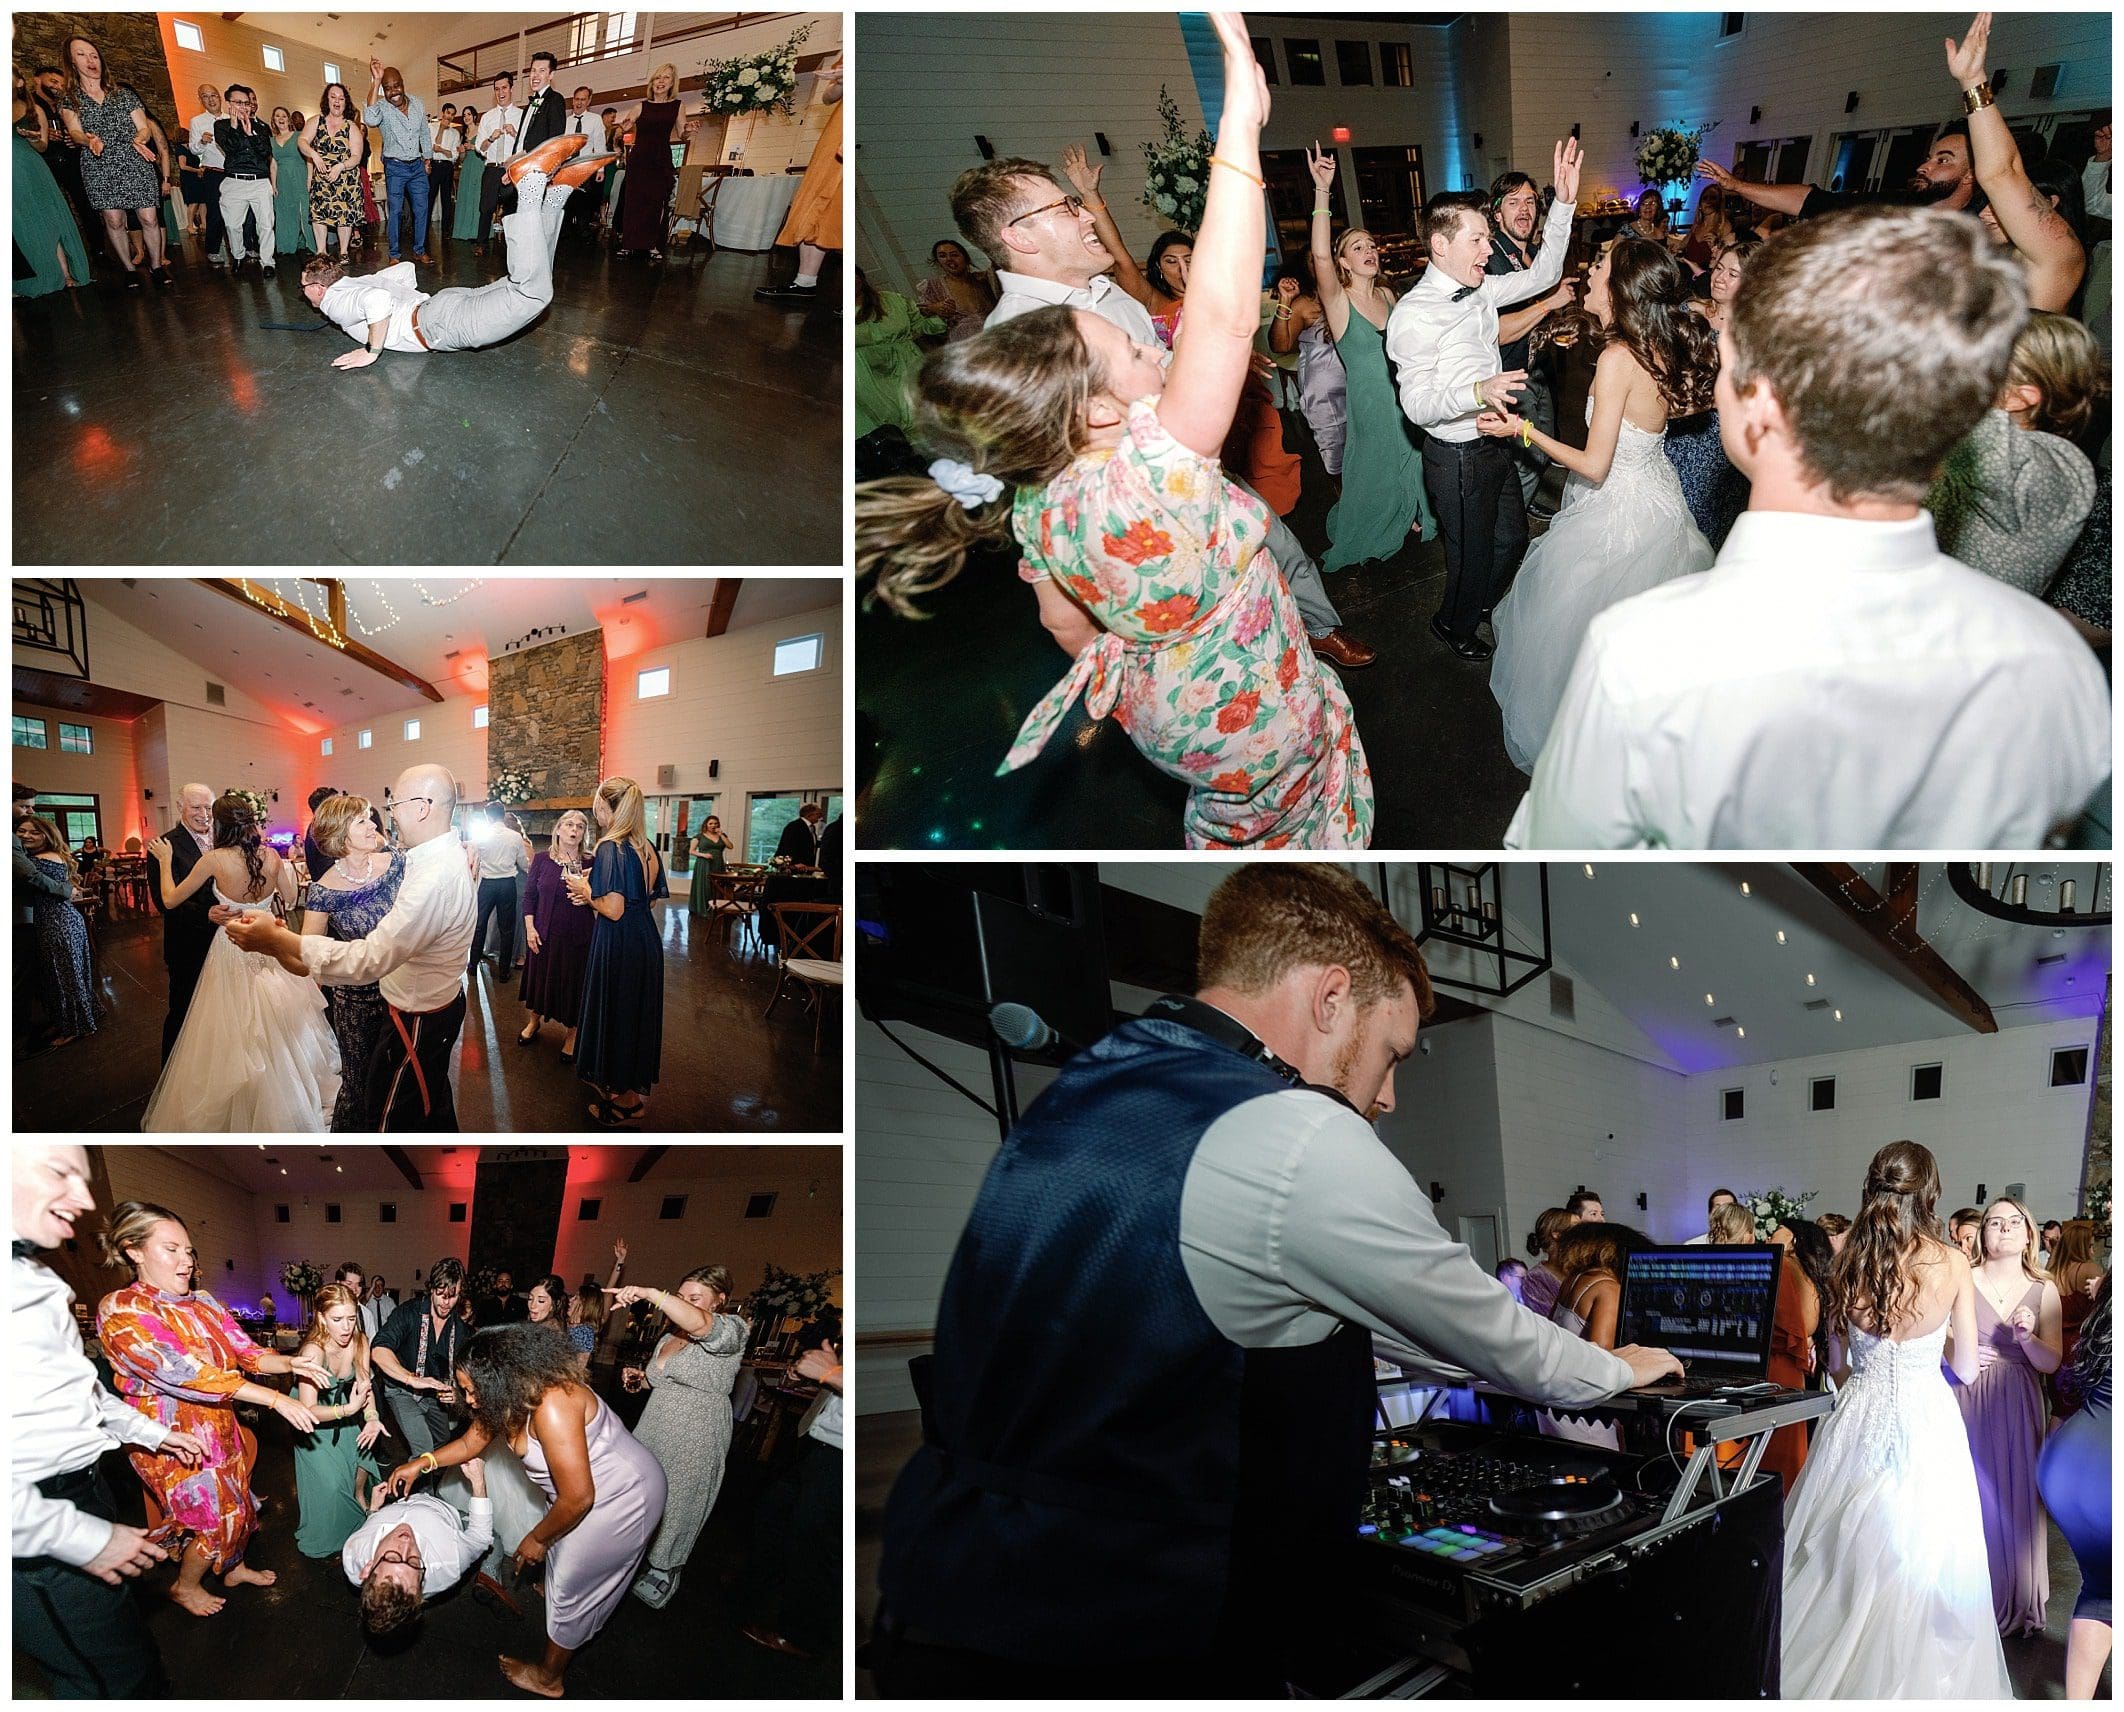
416 954
188 931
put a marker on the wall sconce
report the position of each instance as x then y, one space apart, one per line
1755 115
1851 102
1998 82
988 149
1574 133
1633 127
1105 147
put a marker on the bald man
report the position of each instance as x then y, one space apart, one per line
188 930
416 954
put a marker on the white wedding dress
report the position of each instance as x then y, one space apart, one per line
255 1052
1887 1583
1608 542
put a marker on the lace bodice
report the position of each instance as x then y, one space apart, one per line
1881 1361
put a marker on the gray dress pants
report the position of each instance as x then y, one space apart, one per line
1298 568
465 318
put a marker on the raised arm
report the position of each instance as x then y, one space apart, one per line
1779 198
1515 324
1320 245
2055 259
1128 272
680 1312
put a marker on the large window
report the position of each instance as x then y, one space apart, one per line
1265 57
1353 63
76 739
1390 189
772 811
30 733
1395 69
1306 65
652 683
76 817
799 654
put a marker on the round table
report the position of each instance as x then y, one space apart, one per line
750 211
792 886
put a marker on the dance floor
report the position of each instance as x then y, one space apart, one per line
725 1067
944 713
630 423
302 1639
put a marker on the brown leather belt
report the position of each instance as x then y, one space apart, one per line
417 333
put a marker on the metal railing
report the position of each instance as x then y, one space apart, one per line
584 39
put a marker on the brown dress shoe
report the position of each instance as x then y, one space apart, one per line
762 1636
1344 649
422 257
579 172
547 157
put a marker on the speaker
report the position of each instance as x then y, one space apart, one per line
1851 102
666 778
715 769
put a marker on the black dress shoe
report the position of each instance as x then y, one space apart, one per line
787 294
132 279
1467 647
266 272
162 278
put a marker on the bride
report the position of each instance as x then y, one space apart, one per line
1624 526
255 1052
1887 1580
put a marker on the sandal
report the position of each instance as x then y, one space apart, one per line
611 1116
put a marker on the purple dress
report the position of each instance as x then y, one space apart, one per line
2003 1410
590 1568
553 974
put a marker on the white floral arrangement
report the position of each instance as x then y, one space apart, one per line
1772 1207
256 799
2098 1202
793 1296
758 83
1669 155
1176 170
302 1278
509 785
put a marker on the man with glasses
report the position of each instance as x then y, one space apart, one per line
415 1546
1047 251
416 954
248 176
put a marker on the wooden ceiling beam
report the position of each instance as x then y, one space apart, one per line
722 602
646 1163
1890 921
267 602
399 1157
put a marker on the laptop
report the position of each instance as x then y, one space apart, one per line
1712 1305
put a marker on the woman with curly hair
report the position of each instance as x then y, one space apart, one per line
524 1388
1624 526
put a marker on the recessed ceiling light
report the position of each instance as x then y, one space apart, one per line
1709 1000
1744 888
1810 980
1781 936
1633 918
1839 1015
1589 870
1673 962
1741 1033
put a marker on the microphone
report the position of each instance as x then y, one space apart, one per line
1022 1028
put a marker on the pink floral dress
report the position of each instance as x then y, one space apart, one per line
1204 658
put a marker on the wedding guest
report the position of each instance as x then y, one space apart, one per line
1717 493
1942 180
1512 1274
314 860
2019 1340
1796 1316
1442 338
247 187
958 294
1835 1226
687 1426
180 1357
887 327
415 1546
1717 1199
445 143
557 932
377 1306
469 226
109 125
1700 714
1965 1229
1299 324
1543 1278
1584 1206
401 126
1589 1263
622 1028
2078 1276
650 174
500 1306
2095 197
75 1609
799 842
332 143
45 229
351 893
66 967
502 855
2027 218
813 225
1810 1246
291 185
416 1352
1730 1223
497 143
1709 232
581 122
333 1468
199 136
586 1321
1515 215
607 1491
1649 219
711 855
2073 1478
793 1578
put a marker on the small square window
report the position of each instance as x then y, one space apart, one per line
1734 1103
652 683
1925 1082
331 1212
1353 63
479 719
331 72
1821 1094
412 731
75 739
588 1209
1395 71
30 733
2068 1067
799 654
280 1213
759 1206
1307 67
458 1209
325 748
275 60
674 1207
1729 23
1265 57
188 36
387 1212
365 740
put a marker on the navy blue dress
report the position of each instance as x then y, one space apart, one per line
63 952
620 1041
1717 493
358 1015
2073 1475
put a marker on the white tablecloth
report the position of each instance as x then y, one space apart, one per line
750 211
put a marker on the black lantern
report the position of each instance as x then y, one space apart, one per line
1463 905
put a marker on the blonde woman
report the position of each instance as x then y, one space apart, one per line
556 935
347 901
650 174
333 1467
623 983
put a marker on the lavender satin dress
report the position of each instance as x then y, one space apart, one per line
2003 1411
590 1568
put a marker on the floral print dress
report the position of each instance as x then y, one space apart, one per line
180 1360
1204 658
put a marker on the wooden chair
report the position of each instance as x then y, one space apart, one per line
810 937
729 907
712 182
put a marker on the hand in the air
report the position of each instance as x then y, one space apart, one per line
1246 96
1564 295
1322 167
1286 291
1717 174
1965 62
1569 159
1078 169
619 1252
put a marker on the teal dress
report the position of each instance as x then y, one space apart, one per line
325 1463
291 199
44 225
469 172
700 895
1382 463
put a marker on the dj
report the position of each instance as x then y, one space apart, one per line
1153 1392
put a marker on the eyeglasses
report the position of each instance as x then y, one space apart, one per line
2005 1224
410 1557
1075 205
391 802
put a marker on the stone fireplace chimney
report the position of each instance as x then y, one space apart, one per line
546 714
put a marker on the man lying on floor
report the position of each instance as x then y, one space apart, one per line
388 312
413 1547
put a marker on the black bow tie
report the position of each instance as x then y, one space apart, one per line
1466 291
24 1250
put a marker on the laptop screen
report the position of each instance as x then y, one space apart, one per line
1711 1305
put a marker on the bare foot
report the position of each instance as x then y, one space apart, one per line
530 1678
243 1575
197 1600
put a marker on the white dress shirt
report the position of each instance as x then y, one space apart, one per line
1829 684
2094 185
501 855
825 1426
418 952
445 141
60 1416
449 1544
590 126
493 148
200 133
389 295
1294 1215
1022 294
1441 348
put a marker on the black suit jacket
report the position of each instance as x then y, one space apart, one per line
799 843
830 848
546 120
187 933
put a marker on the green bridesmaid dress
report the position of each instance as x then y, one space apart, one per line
466 223
44 225
291 199
325 1463
1382 463
700 895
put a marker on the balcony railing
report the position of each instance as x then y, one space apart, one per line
585 38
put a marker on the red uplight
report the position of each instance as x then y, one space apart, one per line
1341 133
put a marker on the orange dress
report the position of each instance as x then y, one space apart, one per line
1791 1352
180 1360
815 215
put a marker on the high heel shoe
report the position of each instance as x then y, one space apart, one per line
529 1037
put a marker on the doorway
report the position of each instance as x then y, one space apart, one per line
1479 1232
77 817
671 823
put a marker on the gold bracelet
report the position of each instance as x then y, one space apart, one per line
1218 160
1978 97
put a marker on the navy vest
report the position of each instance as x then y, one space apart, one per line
1109 1470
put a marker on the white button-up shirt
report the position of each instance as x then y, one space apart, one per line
200 134
591 127
418 952
501 854
449 1544
1829 684
60 1417
493 147
1441 349
1022 294
389 295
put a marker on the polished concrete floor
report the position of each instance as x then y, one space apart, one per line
302 1639
725 1067
946 697
652 415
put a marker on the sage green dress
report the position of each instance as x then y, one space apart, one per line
43 225
291 199
1382 461
700 895
464 223
325 1463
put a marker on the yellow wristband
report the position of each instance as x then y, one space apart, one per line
428 1457
1480 401
1525 434
1216 160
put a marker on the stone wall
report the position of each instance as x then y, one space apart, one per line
546 714
131 44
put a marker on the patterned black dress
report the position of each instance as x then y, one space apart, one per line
357 1014
619 1045
63 957
1717 493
